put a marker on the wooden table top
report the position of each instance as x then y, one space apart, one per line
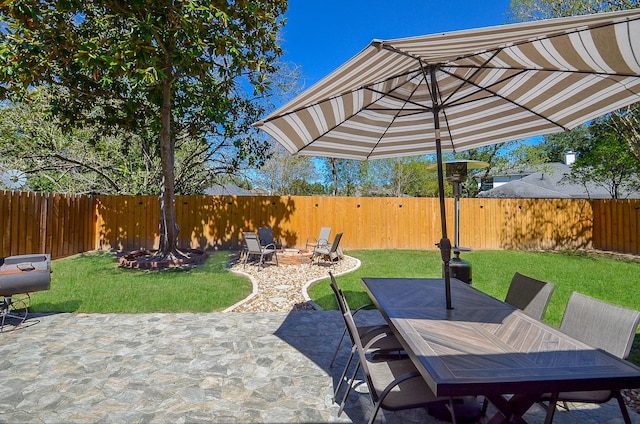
485 346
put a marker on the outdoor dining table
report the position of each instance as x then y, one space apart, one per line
486 347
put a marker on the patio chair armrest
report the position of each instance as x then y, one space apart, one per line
323 243
323 250
400 379
270 246
368 305
377 338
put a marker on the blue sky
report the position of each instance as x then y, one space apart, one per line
320 35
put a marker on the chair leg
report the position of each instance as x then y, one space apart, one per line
376 408
452 411
623 407
551 408
344 374
335 355
485 405
349 386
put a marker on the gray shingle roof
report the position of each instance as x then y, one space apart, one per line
228 190
547 184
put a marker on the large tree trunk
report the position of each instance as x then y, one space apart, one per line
334 172
168 225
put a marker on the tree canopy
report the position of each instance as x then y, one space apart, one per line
177 70
608 149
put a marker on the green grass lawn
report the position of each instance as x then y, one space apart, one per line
613 280
93 282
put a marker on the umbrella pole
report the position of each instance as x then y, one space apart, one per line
445 243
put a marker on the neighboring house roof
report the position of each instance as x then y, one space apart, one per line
228 190
547 184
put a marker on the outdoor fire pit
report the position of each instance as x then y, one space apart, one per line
19 276
294 256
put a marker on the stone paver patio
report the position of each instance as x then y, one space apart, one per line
266 367
268 364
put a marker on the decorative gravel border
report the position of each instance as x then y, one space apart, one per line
284 287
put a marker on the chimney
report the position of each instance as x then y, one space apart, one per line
569 157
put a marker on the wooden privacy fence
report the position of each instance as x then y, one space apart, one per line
63 225
58 224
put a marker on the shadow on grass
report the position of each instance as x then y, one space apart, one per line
49 308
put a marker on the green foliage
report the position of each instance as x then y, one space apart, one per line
605 159
412 177
528 10
495 155
283 174
93 283
113 58
626 124
304 188
175 70
608 279
552 148
81 160
344 176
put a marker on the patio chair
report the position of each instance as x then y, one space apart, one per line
342 306
394 385
266 237
328 252
385 342
322 240
254 248
603 326
529 295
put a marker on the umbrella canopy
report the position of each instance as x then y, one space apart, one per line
461 90
492 84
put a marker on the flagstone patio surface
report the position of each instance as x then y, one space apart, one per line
260 367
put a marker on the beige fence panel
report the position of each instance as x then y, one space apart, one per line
131 222
64 224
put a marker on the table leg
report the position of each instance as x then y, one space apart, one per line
511 410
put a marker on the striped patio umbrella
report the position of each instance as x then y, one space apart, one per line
460 90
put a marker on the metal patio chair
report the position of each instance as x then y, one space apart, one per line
394 384
603 326
529 295
266 237
385 342
254 248
328 253
323 238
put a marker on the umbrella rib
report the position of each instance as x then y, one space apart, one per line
495 94
329 99
422 108
460 101
467 79
395 116
555 35
526 69
402 99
